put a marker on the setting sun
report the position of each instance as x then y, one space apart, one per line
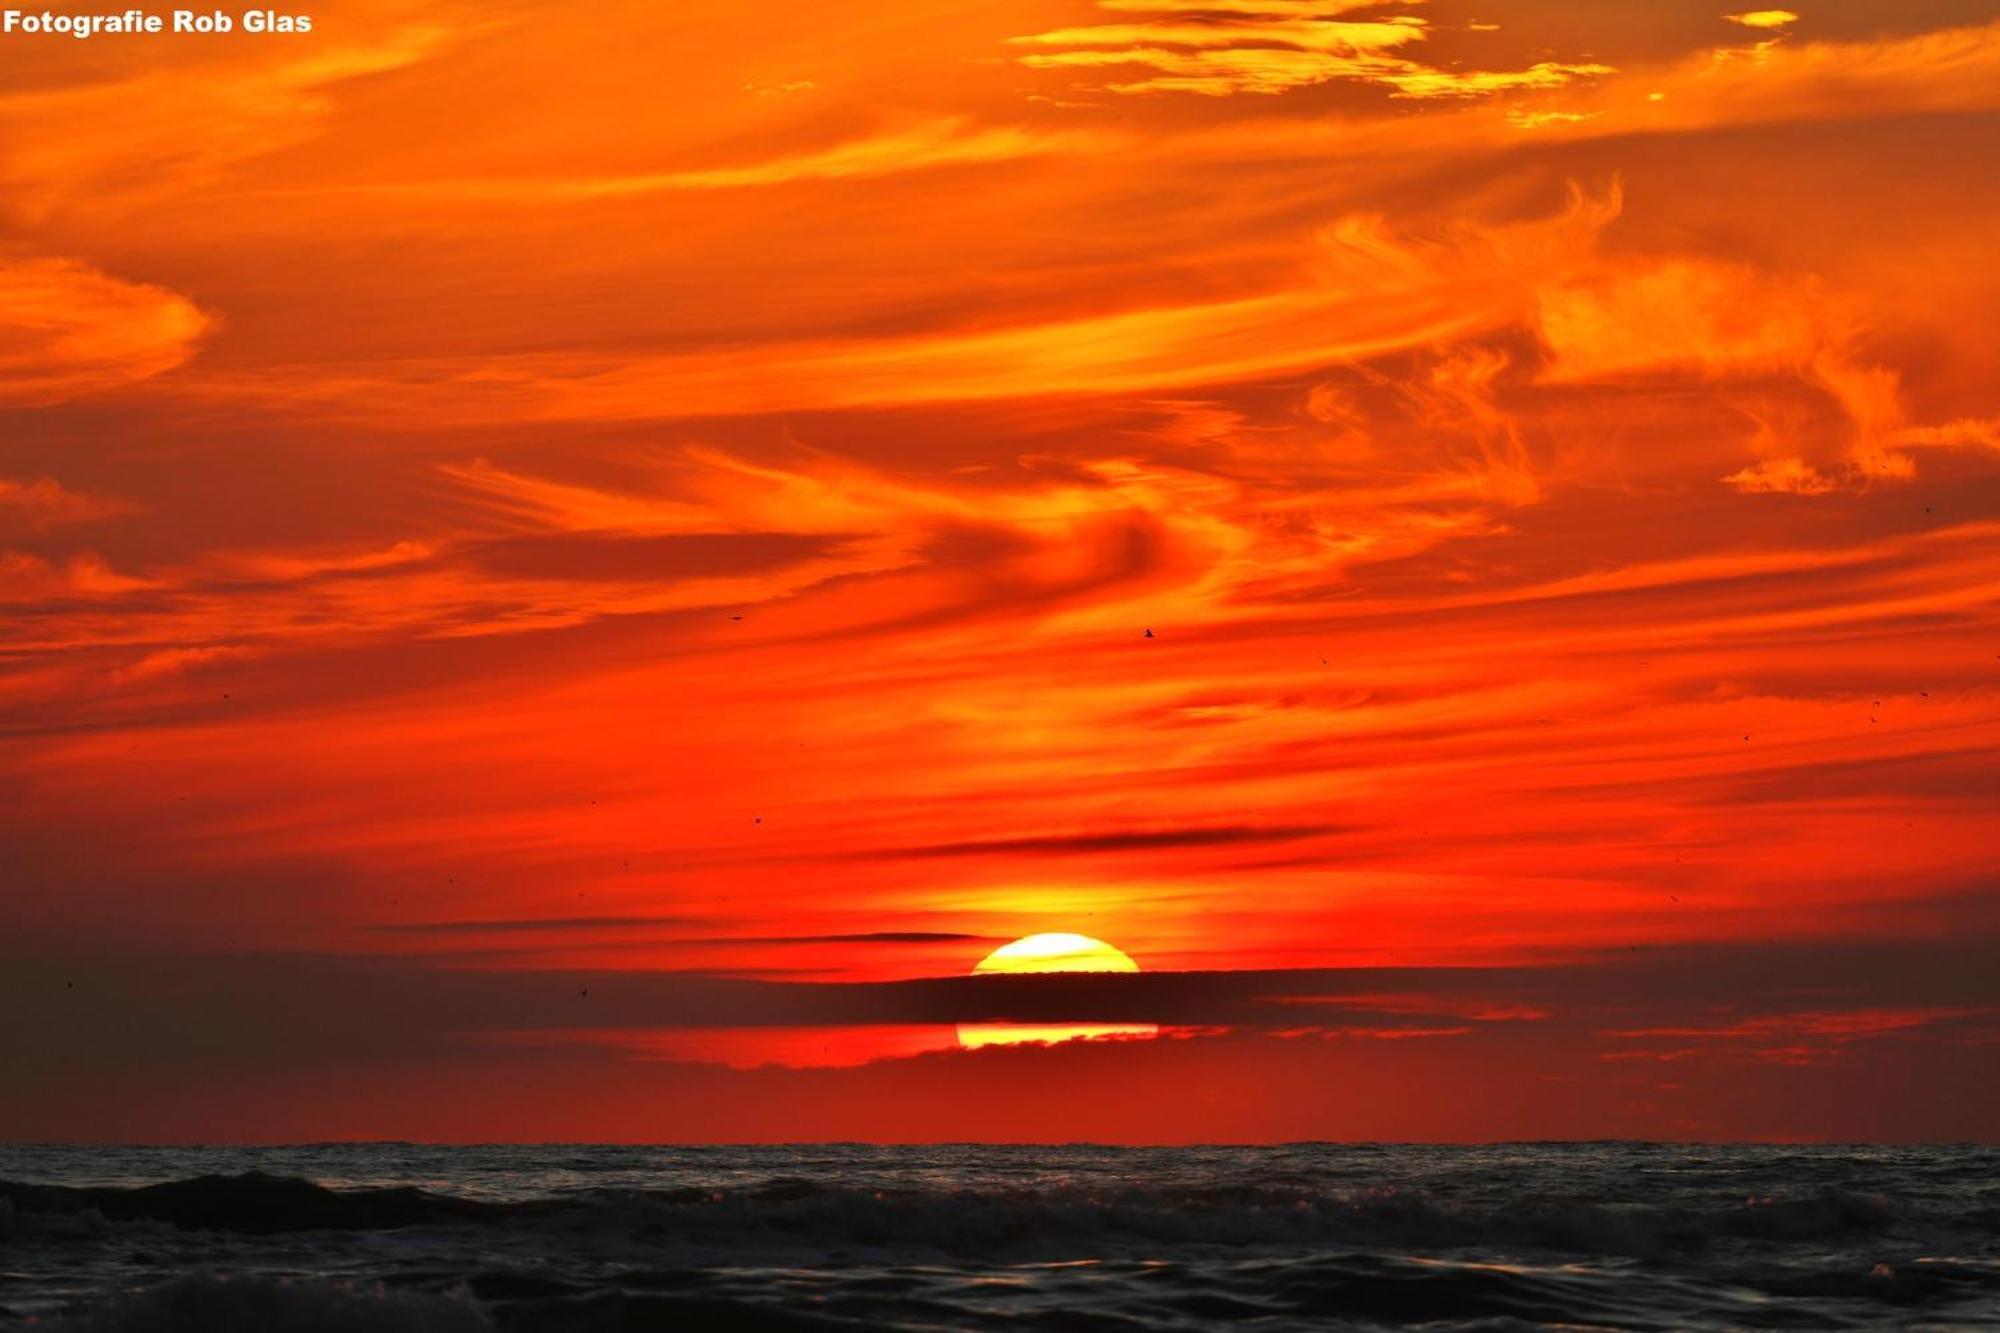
1055 951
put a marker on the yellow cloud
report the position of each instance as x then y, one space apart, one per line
1764 18
1272 47
1530 120
1424 82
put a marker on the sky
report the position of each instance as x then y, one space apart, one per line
567 573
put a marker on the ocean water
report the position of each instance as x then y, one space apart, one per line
333 1238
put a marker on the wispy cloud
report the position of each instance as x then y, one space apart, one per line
1274 48
70 330
1363 290
1764 18
1129 840
41 503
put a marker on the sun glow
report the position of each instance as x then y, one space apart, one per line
1056 951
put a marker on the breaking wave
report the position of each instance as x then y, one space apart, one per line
516 1239
1050 1222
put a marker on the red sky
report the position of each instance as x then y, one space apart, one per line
550 560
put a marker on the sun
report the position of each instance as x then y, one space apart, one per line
1054 951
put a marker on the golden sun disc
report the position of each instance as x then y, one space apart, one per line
1054 951
1058 951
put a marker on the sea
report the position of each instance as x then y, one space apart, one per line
409 1238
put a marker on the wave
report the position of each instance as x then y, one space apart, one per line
798 1239
1374 1293
251 1203
1302 1292
212 1304
208 1305
1044 1221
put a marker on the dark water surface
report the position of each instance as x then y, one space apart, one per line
399 1237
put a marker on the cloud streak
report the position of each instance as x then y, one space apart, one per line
1273 49
1130 840
68 330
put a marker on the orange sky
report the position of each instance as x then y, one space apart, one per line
505 501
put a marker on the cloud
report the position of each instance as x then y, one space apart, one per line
1781 476
1802 1037
932 144
1273 9
1529 120
1940 71
1775 82
535 925
190 1009
1964 433
1130 840
616 557
1639 319
30 578
1428 83
542 554
1362 290
120 141
866 937
788 88
1645 317
67 330
1274 48
1255 54
952 141
1764 18
168 662
1941 777
40 504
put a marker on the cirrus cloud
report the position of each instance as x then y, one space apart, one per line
67 329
